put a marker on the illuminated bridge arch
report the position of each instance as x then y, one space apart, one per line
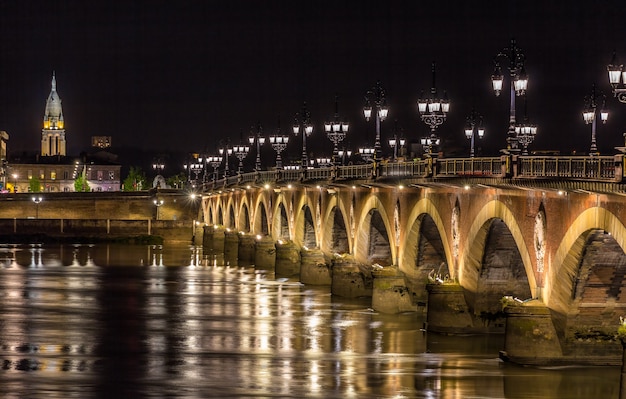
372 242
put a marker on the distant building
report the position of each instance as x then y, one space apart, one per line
101 141
53 132
4 137
53 169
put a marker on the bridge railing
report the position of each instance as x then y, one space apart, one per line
575 167
491 167
594 168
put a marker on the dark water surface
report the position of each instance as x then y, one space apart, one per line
109 321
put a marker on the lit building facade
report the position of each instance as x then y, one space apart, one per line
53 170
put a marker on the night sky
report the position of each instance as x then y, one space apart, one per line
185 75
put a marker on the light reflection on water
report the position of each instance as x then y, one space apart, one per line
106 321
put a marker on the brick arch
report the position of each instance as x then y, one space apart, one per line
230 215
243 218
280 221
335 208
260 215
473 248
300 231
567 257
361 238
409 248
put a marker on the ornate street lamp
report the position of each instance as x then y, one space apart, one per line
195 167
215 161
473 127
344 154
589 116
257 137
525 132
324 162
433 112
367 153
279 141
302 125
396 141
37 200
376 95
617 79
336 131
428 143
226 152
158 203
241 151
519 84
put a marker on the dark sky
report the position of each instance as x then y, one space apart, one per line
183 75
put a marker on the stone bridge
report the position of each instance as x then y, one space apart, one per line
529 246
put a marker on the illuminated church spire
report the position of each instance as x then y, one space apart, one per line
53 132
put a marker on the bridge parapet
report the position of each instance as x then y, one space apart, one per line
606 169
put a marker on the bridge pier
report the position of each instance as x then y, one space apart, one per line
313 268
390 293
265 253
231 247
530 336
350 279
213 238
287 259
447 309
246 249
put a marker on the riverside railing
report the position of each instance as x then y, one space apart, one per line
593 168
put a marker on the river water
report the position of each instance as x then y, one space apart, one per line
112 321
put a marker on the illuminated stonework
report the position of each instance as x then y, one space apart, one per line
540 239
53 132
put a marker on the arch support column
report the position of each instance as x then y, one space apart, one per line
530 336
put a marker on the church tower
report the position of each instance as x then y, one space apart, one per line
53 132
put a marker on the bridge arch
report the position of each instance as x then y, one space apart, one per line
280 223
372 242
260 217
335 235
496 217
560 278
243 222
423 212
304 234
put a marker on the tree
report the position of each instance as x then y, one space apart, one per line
35 184
81 183
176 181
136 180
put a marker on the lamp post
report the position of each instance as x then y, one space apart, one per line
302 125
225 152
376 95
279 141
428 143
324 162
589 116
37 200
617 79
396 141
257 137
241 151
367 153
336 131
473 127
344 154
519 83
157 202
214 161
433 111
195 167
158 166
